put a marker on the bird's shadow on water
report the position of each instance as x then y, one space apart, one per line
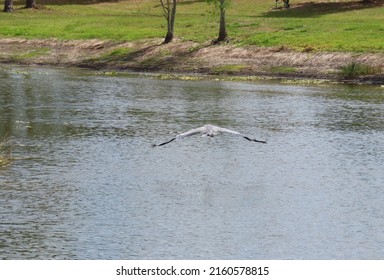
317 9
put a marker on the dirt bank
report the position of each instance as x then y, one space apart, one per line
189 57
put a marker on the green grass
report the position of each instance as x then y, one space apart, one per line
228 69
355 69
31 54
282 69
308 25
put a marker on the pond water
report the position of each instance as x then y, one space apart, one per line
86 183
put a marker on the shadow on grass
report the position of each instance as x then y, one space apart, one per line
72 2
183 3
315 9
149 58
188 2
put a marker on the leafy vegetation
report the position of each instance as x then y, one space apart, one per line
315 26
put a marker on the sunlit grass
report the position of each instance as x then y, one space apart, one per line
328 26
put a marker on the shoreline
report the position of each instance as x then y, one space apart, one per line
189 58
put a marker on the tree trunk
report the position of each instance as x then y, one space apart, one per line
223 29
168 38
170 21
30 4
8 6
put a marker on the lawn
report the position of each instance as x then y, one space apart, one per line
306 26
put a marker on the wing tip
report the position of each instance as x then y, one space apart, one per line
255 140
158 145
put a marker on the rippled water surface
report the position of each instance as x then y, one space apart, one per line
85 182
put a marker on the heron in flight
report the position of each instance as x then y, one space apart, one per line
208 130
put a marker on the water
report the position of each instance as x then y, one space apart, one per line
86 183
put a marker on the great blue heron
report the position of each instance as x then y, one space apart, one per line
208 130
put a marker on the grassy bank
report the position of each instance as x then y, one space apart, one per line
307 26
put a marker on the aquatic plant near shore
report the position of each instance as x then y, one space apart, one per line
354 69
5 153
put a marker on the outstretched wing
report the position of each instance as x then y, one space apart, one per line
254 140
169 141
190 132
238 133
182 135
222 129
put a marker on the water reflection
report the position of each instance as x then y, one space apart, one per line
86 183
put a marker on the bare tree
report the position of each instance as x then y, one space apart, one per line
8 6
169 12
